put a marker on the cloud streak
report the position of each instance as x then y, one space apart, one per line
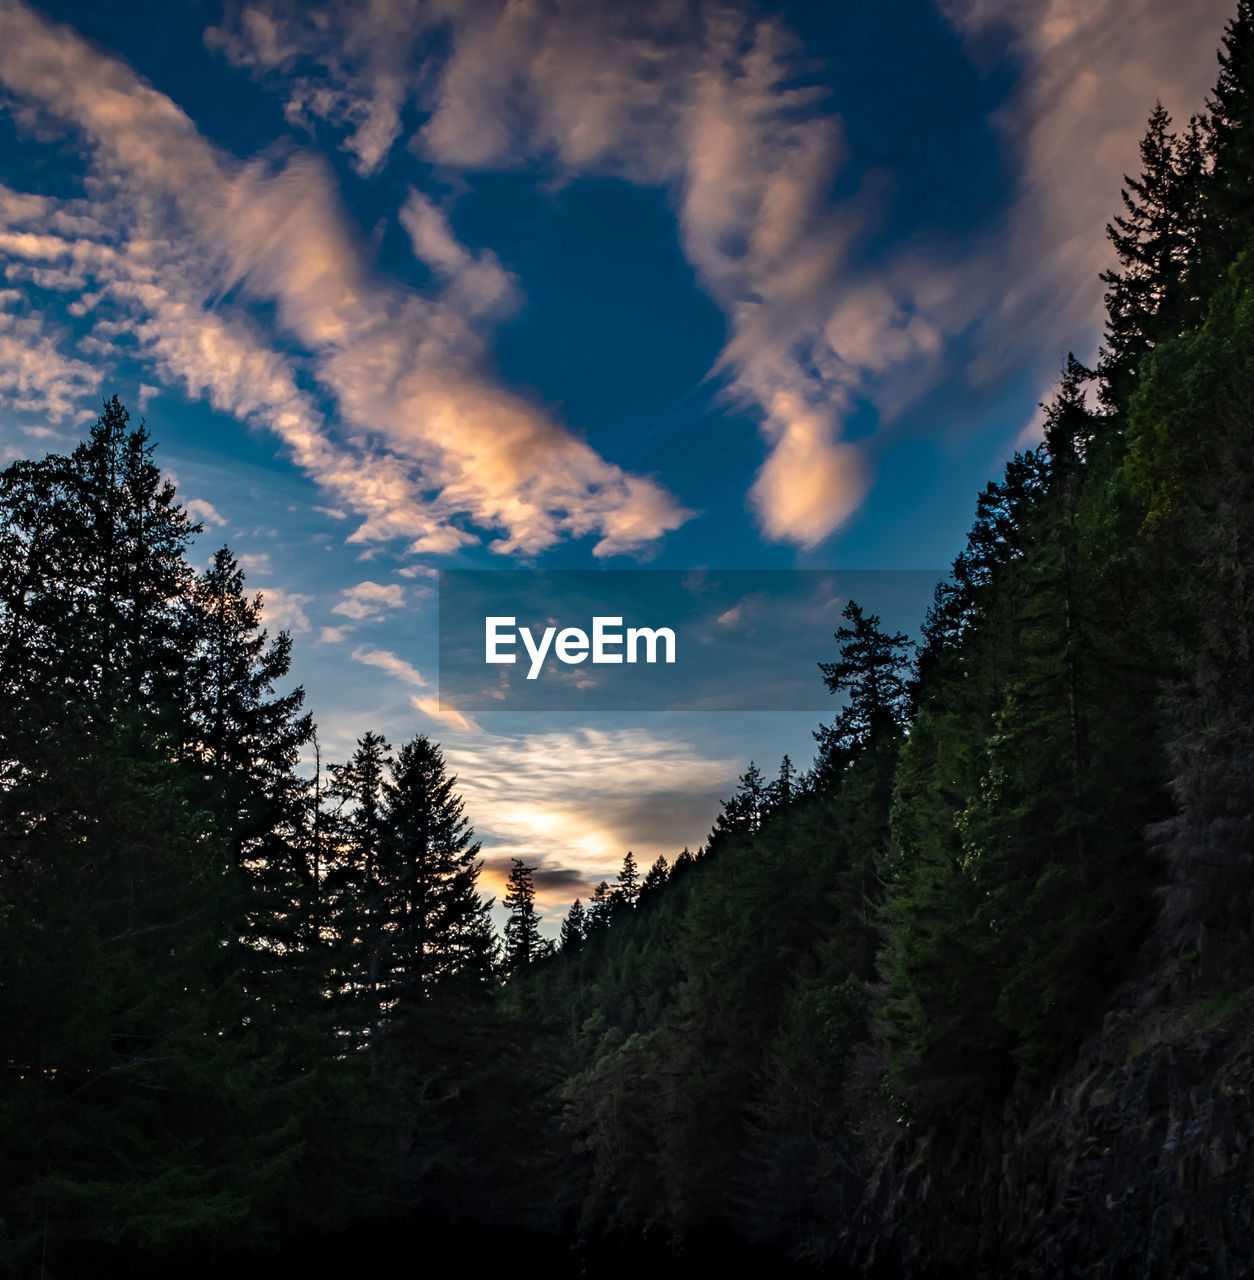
387 661
701 104
428 447
704 101
579 800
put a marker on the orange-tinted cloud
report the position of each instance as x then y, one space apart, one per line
428 446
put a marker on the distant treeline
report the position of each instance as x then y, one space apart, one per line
242 1002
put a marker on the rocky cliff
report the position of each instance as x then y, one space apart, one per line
1135 1160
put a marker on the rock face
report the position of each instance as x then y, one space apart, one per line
1136 1160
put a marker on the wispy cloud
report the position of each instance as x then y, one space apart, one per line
704 100
1092 72
36 376
443 712
430 446
579 800
387 661
256 563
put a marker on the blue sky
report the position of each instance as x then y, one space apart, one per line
420 284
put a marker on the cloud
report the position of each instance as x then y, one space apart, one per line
254 564
559 881
580 799
285 609
369 601
367 51
810 483
387 661
1090 76
201 512
708 102
444 712
35 376
703 102
427 442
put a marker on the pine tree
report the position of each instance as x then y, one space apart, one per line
655 879
574 928
872 670
600 907
745 810
356 884
436 923
94 589
1230 208
627 886
522 932
131 1110
683 861
1151 295
244 738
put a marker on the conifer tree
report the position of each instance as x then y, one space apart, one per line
244 737
873 671
745 810
600 907
94 588
357 882
627 886
655 879
436 922
131 1107
522 932
1230 208
574 928
1151 294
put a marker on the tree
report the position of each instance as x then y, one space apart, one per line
574 928
600 907
1190 437
627 887
1157 240
356 883
655 879
435 922
131 1101
93 590
245 740
1230 207
522 932
745 810
872 670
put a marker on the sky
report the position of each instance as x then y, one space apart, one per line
403 286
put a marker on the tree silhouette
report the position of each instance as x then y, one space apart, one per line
522 932
873 672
